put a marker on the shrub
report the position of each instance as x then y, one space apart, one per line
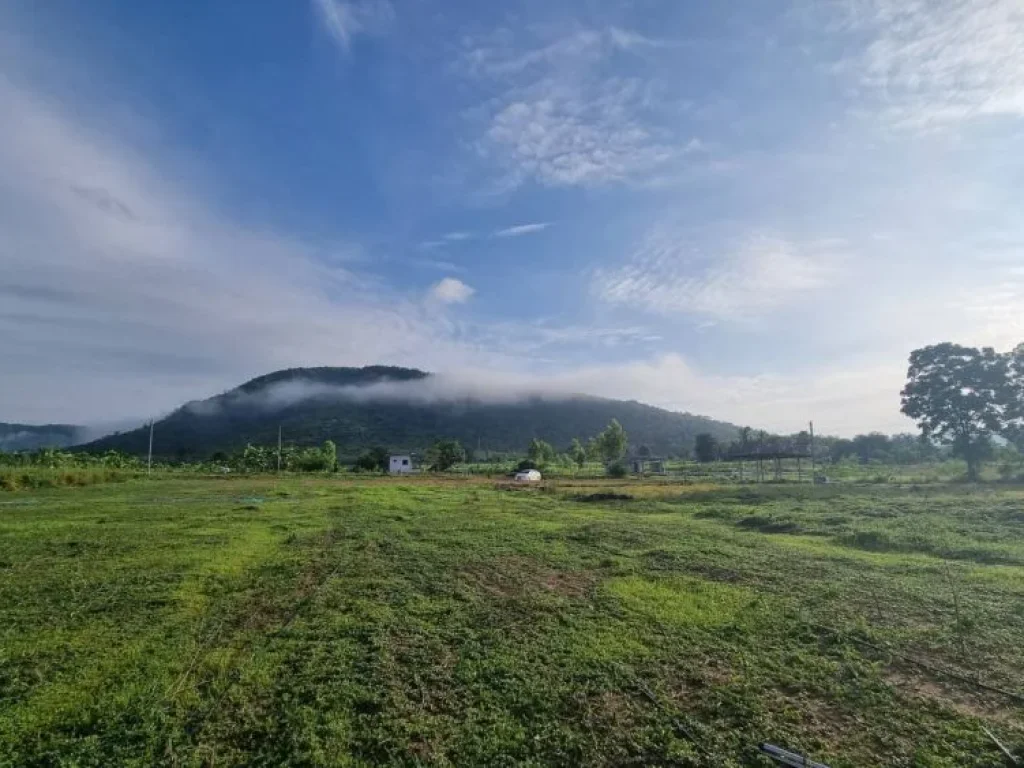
617 469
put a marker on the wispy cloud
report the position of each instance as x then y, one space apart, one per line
523 229
115 271
438 264
460 237
629 40
345 20
940 61
563 117
451 290
668 274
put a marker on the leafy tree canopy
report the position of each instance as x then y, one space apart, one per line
958 395
540 452
445 454
578 453
705 447
612 442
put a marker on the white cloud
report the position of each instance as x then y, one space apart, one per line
934 62
629 40
838 402
562 135
345 20
523 229
116 273
439 264
668 274
563 118
459 237
845 402
451 290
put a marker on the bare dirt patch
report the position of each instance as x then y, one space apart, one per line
513 576
960 697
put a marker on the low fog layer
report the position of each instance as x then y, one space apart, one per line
461 387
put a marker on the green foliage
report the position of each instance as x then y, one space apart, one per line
540 452
330 451
374 460
705 448
445 454
257 458
957 395
577 453
53 458
617 469
612 442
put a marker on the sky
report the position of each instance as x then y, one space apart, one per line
752 211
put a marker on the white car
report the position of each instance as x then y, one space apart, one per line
528 476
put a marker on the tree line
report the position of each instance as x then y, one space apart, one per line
872 447
962 398
608 447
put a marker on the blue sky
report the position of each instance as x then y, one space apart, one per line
750 210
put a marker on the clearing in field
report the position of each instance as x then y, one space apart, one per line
339 622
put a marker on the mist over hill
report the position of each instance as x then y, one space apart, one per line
403 409
29 437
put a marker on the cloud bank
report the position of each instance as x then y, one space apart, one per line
669 382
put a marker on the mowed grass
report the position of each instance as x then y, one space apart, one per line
364 622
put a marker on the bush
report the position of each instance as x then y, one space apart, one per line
617 469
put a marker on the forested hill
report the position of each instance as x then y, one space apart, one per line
316 404
29 437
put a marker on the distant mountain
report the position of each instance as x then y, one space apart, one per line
29 437
401 409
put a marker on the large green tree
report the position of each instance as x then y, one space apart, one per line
705 447
540 452
578 453
445 454
1013 415
958 395
612 442
374 460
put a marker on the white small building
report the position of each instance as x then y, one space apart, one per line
528 476
400 464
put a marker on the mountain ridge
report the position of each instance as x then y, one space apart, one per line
388 406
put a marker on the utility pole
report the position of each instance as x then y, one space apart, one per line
149 460
811 423
279 449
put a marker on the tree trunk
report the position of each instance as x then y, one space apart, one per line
972 470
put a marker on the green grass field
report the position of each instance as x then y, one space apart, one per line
256 621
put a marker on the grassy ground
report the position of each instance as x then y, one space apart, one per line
252 621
